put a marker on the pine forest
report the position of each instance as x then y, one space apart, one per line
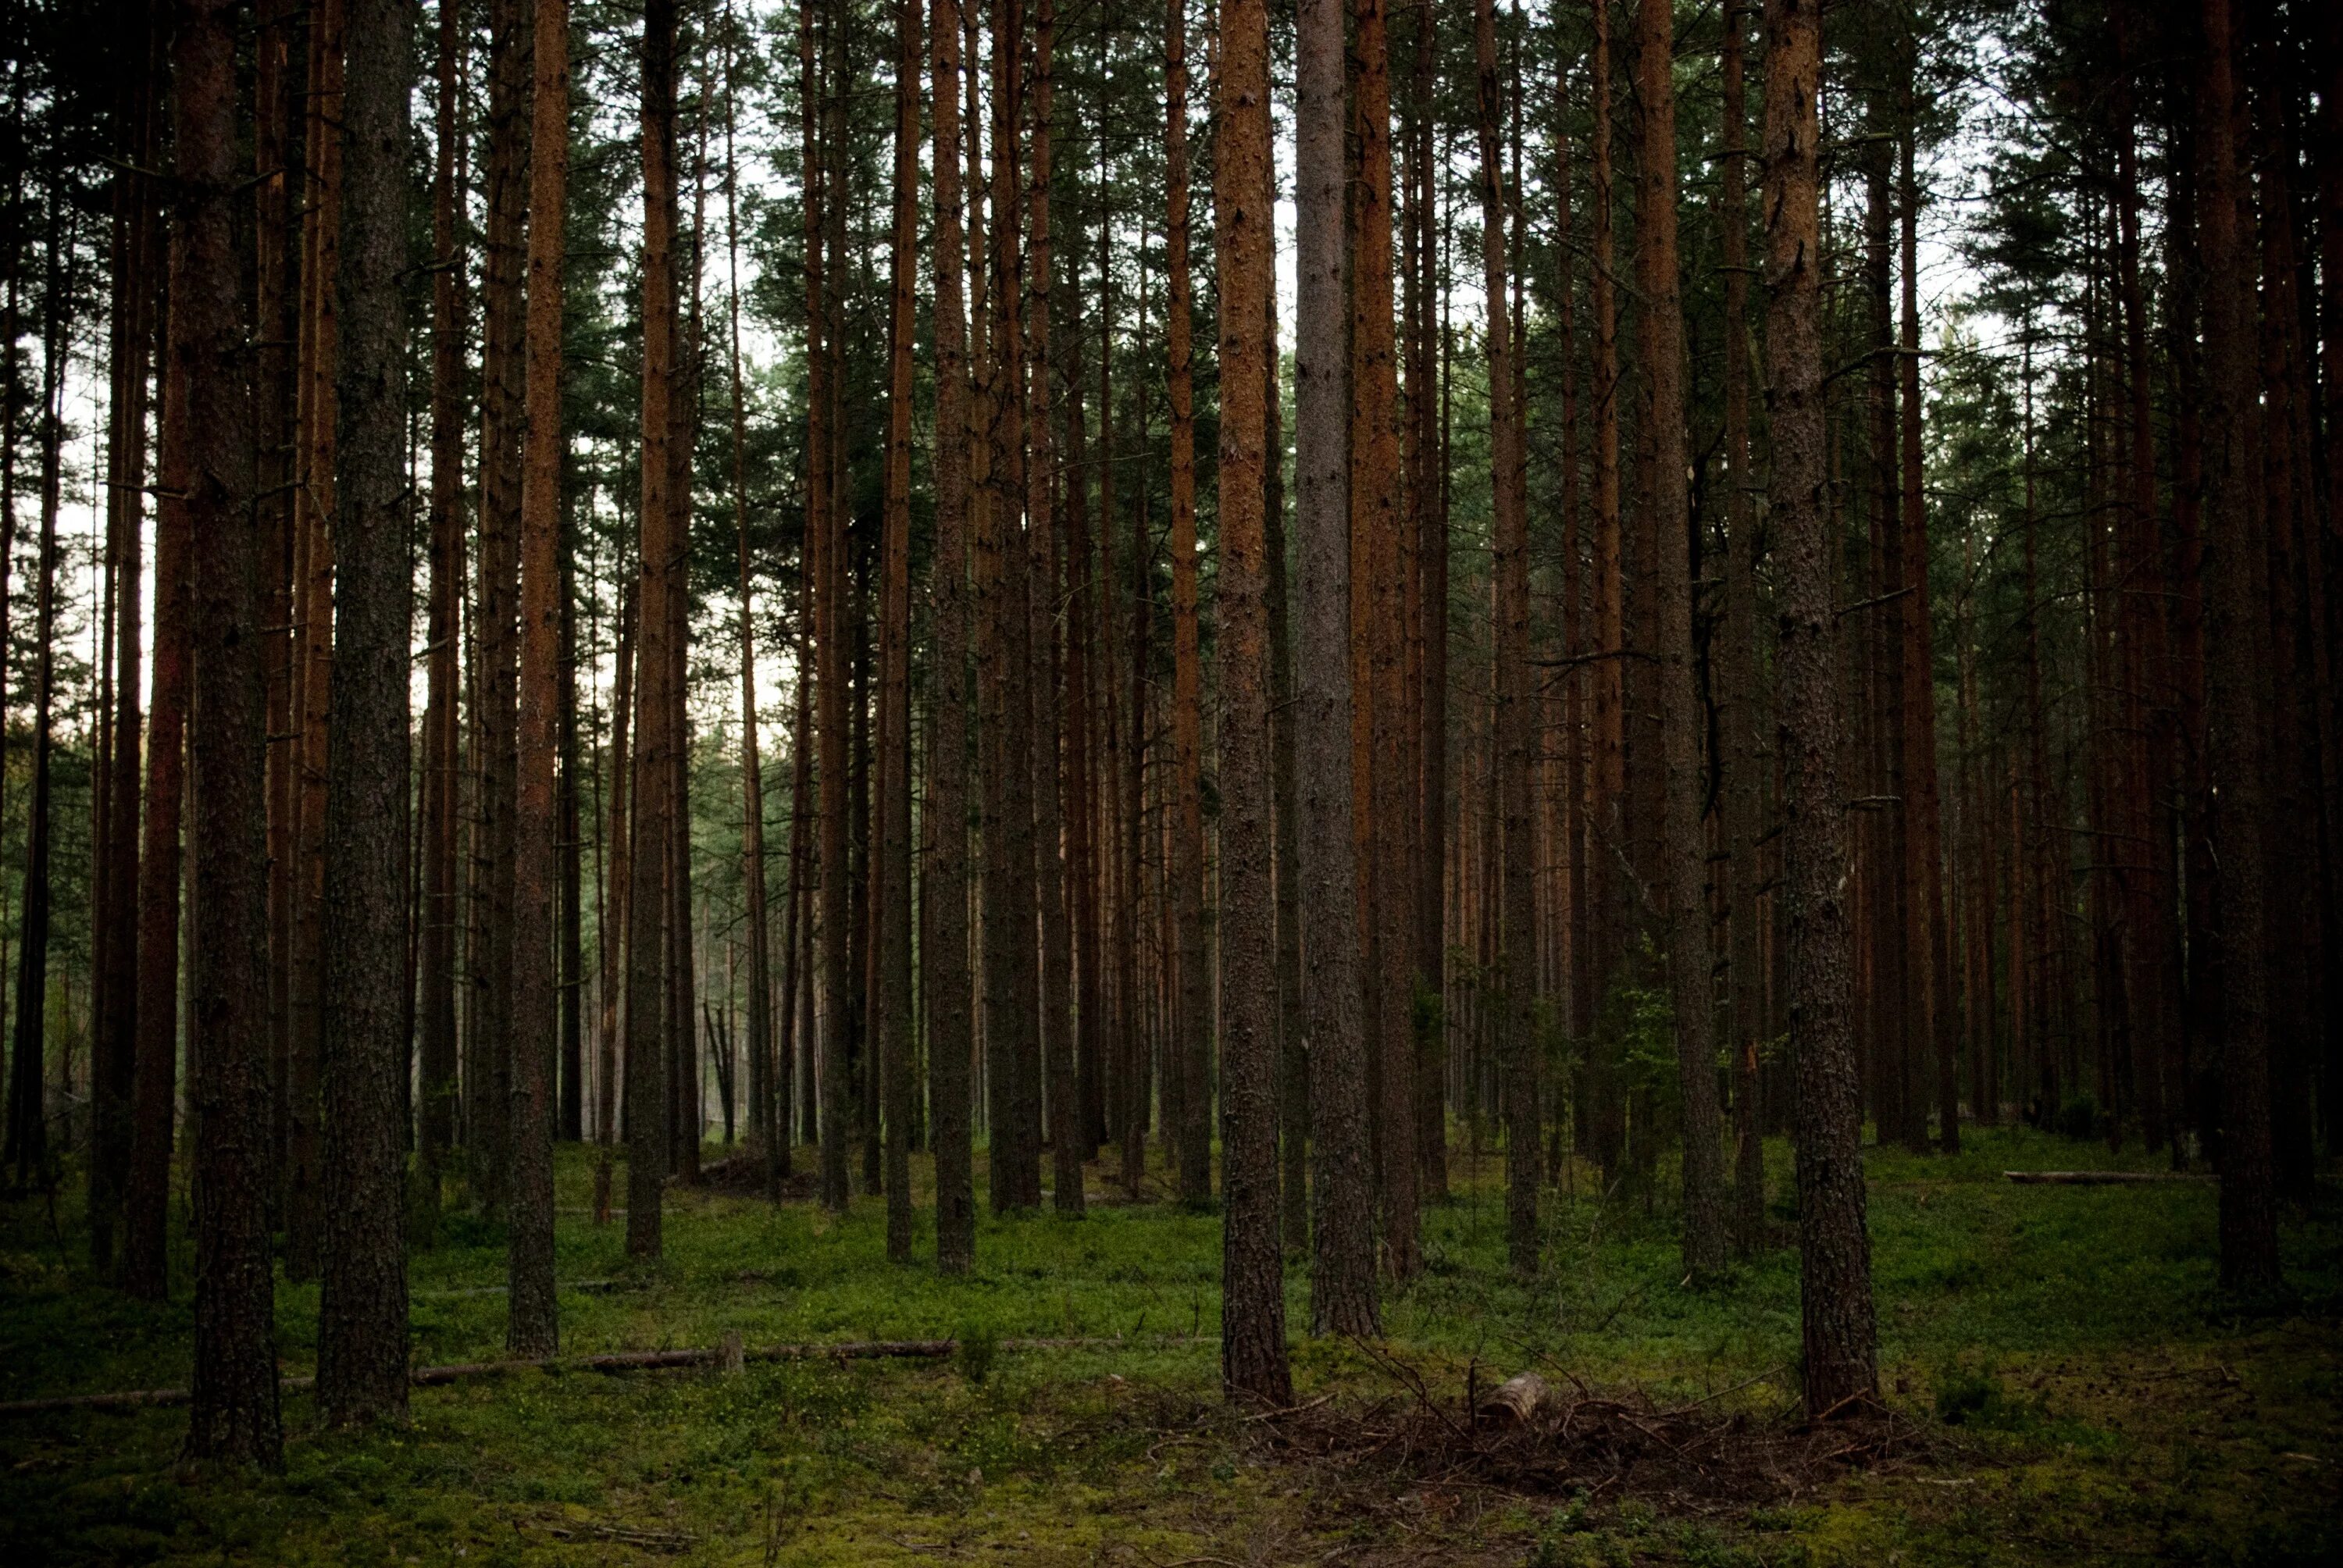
1164 782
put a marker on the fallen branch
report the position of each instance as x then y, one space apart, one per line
608 1362
2101 1178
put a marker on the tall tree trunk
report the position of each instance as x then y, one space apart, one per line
1516 712
114 970
1292 1043
1840 1328
1384 792
532 1321
1193 1027
1608 893
502 424
1253 1301
280 212
1742 720
1343 1278
437 1088
233 1412
312 587
1929 937
1042 476
2237 590
648 1059
146 1205
1684 717
27 1140
1427 574
950 1043
894 1022
362 1304
769 1116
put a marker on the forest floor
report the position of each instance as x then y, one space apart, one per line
2063 1383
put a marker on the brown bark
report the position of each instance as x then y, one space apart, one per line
1293 1045
437 1087
233 1412
1840 1329
27 1137
532 1323
301 1177
114 913
1342 1280
1382 789
148 1199
497 629
2238 700
364 1030
1516 712
1253 1301
1683 716
1063 1111
893 1024
1744 718
1608 891
1928 940
1192 1024
1427 678
951 1044
649 915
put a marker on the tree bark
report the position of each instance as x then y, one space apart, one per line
648 1059
1191 1034
1384 791
1744 719
532 1321
438 1084
1840 1326
1516 712
233 1412
503 418
362 1303
950 1043
1684 717
1064 1120
1342 1278
894 1022
2237 590
1608 892
1252 1299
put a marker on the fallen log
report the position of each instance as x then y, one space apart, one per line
1514 1401
606 1362
2102 1178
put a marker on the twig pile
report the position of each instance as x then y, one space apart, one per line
1608 1446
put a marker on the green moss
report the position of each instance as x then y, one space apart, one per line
2092 1397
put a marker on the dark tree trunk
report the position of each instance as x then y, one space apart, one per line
362 1304
1841 1332
1192 1022
951 1044
893 1025
1516 713
648 913
1744 721
1684 717
531 1322
233 1412
28 1127
2238 700
437 1086
1342 1278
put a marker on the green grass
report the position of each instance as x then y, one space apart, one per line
2093 1397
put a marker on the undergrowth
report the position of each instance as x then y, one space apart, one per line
2092 1395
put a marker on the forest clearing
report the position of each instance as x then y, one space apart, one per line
2063 1383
